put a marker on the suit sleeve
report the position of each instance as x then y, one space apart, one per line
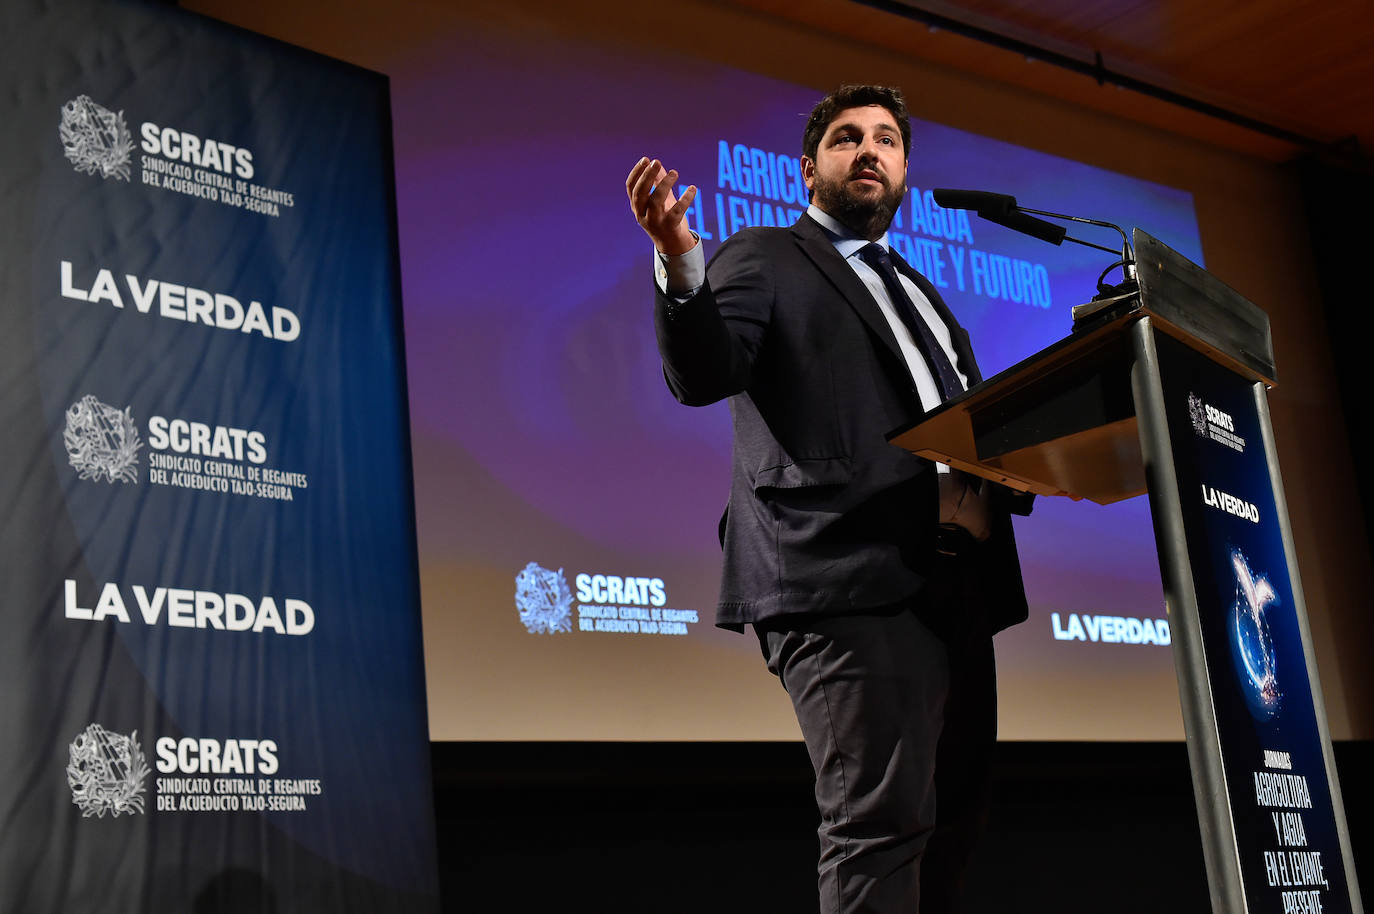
710 342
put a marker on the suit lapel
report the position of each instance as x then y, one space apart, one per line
816 245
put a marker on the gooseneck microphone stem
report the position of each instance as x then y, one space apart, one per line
1089 244
1127 253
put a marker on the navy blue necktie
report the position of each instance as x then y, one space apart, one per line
946 378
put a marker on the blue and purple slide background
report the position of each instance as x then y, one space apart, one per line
543 431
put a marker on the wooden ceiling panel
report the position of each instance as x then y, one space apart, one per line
1305 66
1299 66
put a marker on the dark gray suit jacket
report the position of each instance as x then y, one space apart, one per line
824 515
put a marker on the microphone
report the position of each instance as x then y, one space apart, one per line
1002 209
983 201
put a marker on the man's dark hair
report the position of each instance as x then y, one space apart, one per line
847 97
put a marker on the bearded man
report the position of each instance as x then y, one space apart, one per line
873 579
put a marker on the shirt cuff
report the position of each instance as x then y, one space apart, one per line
680 276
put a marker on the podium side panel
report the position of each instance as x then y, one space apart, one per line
1246 613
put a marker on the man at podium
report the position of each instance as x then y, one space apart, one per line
873 579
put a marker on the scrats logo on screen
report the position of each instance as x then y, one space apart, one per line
606 603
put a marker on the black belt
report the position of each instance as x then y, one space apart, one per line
953 540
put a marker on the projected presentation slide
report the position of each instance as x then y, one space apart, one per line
568 504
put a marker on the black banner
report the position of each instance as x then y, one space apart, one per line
211 675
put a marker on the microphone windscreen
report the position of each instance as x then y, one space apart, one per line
985 202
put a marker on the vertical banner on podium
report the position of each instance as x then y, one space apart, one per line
211 680
1283 799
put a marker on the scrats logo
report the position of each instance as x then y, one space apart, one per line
1203 414
96 140
1210 422
543 600
183 146
106 771
212 756
612 588
605 603
102 442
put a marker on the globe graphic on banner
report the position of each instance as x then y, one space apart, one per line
1252 645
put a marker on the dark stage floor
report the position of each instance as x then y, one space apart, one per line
729 827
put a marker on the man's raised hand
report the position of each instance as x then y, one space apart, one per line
658 212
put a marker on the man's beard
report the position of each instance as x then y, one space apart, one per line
868 216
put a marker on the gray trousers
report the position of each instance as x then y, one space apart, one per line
900 726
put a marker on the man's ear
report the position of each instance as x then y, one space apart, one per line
808 169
